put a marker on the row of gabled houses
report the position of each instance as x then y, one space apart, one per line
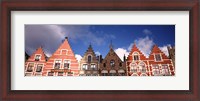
64 63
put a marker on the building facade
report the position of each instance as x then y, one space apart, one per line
112 65
89 64
171 51
62 62
35 64
157 64
137 63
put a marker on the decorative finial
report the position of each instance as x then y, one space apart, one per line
111 46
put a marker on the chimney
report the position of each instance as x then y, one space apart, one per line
100 58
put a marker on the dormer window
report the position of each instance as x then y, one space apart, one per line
37 57
157 57
89 58
136 56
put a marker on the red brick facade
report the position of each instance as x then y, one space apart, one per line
62 62
157 64
35 63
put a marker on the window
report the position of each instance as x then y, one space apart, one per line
120 64
30 67
165 70
39 68
136 56
89 58
112 63
104 64
50 73
157 57
37 57
142 67
93 66
85 67
156 70
133 67
60 73
143 74
57 64
64 52
28 74
66 64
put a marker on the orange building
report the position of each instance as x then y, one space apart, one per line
62 62
157 64
35 63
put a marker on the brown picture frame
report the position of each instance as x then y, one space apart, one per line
193 94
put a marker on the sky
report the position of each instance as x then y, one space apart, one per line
100 37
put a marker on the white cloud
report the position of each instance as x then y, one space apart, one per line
145 45
147 32
97 53
78 57
51 36
164 49
121 52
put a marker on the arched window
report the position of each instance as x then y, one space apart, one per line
143 74
142 67
89 58
165 70
133 67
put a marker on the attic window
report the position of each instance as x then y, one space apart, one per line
157 57
136 56
64 52
89 58
37 57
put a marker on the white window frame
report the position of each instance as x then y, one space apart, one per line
37 67
160 57
155 69
61 51
165 69
134 54
32 67
85 68
39 57
69 61
55 62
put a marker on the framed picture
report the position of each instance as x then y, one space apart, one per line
100 50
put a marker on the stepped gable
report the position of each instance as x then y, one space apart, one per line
135 49
156 50
64 52
38 51
89 51
89 63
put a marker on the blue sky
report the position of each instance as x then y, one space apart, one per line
100 36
